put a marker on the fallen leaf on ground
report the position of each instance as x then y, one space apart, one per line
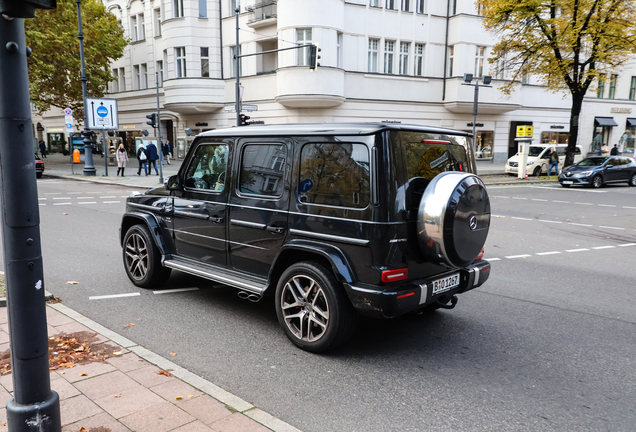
173 354
178 397
117 353
117 395
163 372
129 325
65 214
83 374
72 282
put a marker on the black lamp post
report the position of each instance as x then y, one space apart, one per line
468 81
89 168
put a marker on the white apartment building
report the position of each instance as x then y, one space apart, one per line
395 60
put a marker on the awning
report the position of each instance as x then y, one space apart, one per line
631 122
604 121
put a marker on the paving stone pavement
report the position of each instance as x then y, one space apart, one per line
126 393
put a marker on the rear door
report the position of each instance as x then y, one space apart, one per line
613 173
259 204
200 213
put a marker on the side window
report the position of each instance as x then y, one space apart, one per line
207 168
263 170
335 174
614 161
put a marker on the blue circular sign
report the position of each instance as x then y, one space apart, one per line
102 111
306 185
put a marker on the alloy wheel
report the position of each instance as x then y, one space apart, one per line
136 256
305 308
597 181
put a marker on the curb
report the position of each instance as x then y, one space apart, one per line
186 376
101 181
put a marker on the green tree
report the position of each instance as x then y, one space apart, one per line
55 67
567 44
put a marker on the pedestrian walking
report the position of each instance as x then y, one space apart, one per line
122 159
614 151
170 149
43 149
166 153
142 158
554 162
151 151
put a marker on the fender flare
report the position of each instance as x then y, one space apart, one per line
336 257
134 218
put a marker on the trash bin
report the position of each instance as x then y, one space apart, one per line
76 156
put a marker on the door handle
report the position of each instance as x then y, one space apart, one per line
275 230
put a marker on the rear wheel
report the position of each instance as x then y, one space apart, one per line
597 181
632 180
313 309
142 259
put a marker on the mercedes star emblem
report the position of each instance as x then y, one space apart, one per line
473 223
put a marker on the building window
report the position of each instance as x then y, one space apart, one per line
388 56
480 54
406 6
134 29
136 78
205 62
374 3
632 89
404 58
144 75
484 144
232 7
339 50
500 67
419 59
116 81
303 36
158 22
419 6
612 86
177 8
390 4
160 71
165 63
180 62
454 8
451 53
480 8
203 8
373 55
600 92
142 27
122 79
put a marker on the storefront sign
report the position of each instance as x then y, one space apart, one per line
557 127
55 130
524 131
621 110
201 124
476 124
128 127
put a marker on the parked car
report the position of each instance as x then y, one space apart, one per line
538 161
39 166
596 171
330 219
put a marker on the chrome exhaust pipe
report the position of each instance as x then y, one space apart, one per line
249 296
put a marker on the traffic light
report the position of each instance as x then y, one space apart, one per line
244 119
313 57
153 120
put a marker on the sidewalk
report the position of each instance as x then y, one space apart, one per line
107 383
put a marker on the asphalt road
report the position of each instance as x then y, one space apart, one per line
546 345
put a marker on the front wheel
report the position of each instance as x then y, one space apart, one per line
142 259
597 181
313 309
537 171
632 180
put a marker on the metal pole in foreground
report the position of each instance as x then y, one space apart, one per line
104 152
159 128
34 406
89 169
238 70
475 105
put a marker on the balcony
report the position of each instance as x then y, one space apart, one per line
263 14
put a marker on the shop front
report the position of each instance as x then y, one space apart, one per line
56 140
626 144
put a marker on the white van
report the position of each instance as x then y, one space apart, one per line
539 159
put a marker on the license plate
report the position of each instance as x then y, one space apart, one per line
446 283
567 182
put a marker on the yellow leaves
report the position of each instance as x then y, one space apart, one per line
164 372
72 282
129 325
173 354
178 397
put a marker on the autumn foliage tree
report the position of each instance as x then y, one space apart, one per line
567 44
54 66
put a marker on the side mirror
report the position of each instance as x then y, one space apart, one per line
173 183
609 166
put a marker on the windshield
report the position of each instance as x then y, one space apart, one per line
427 155
592 162
535 151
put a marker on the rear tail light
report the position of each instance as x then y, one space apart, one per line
394 275
481 254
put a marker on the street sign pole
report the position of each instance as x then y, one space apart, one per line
34 407
238 69
105 152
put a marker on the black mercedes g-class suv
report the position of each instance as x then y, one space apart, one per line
331 219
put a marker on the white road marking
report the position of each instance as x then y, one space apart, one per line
63 204
41 199
498 216
629 207
72 193
519 218
564 202
41 204
519 198
87 202
579 203
627 244
110 196
578 224
577 250
501 197
608 227
537 199
62 198
547 253
113 296
492 259
111 202
53 193
79 198
517 256
176 290
603 247
606 205
543 220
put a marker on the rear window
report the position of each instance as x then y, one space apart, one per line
334 174
427 155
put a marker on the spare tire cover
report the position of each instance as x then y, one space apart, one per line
453 219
